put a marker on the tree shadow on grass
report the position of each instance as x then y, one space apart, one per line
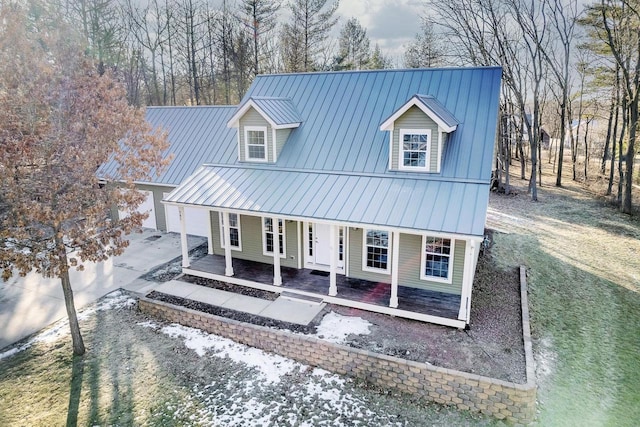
75 391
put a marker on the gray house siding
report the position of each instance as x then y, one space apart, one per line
253 118
355 251
410 258
251 238
409 271
414 118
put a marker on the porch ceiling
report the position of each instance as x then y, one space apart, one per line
403 202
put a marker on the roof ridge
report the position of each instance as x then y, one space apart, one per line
159 107
388 70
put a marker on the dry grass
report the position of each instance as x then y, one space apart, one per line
583 258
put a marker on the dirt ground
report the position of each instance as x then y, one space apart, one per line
492 347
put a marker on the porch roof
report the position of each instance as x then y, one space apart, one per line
401 202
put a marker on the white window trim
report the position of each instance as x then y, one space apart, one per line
222 232
275 241
401 135
423 261
365 267
263 129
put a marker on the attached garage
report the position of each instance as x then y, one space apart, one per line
147 206
196 220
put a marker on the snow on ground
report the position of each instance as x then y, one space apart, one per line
264 399
336 328
271 367
113 300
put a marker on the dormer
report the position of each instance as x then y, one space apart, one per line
418 131
264 125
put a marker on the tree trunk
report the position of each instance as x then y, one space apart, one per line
631 152
586 149
78 343
607 142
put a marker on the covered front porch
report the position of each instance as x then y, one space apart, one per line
412 303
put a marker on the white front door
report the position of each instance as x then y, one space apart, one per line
321 252
317 255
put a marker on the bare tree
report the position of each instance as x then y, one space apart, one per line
354 50
304 37
260 19
426 50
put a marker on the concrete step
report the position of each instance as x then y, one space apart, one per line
292 296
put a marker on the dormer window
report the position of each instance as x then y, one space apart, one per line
415 148
255 138
418 130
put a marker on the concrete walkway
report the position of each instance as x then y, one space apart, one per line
28 304
283 309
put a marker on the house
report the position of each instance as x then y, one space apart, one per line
196 134
367 189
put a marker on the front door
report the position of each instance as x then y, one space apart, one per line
318 255
321 245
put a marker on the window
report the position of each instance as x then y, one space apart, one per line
437 259
255 139
414 149
234 230
270 236
376 243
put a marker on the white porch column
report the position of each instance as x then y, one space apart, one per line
467 280
228 264
210 236
333 264
183 238
395 266
277 276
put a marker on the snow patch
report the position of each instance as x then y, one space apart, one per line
148 324
271 367
336 328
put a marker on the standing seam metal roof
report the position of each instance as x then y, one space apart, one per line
334 166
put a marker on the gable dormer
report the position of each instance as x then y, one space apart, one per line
417 133
264 125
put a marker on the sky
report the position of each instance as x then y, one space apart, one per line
390 23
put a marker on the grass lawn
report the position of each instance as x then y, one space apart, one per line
583 260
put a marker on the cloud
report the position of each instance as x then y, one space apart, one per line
390 23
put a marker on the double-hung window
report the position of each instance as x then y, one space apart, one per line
414 149
437 259
376 256
234 231
255 139
273 236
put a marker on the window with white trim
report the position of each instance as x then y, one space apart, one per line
273 235
414 149
255 142
437 259
376 251
234 231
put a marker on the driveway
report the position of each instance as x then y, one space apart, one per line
28 304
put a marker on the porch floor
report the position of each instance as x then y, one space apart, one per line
375 293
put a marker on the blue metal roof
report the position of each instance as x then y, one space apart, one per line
197 135
378 200
280 110
334 166
341 112
438 109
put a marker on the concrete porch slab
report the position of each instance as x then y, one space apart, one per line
297 312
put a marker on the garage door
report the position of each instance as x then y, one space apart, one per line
146 206
196 220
